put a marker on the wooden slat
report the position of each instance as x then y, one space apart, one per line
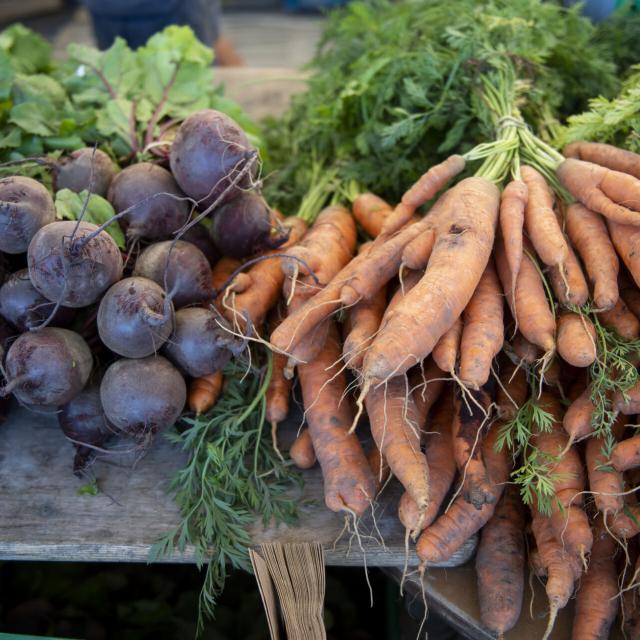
42 517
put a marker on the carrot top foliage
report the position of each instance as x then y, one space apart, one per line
396 87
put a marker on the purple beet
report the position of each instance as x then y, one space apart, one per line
84 423
144 396
25 207
208 152
47 368
188 274
200 236
73 269
134 318
74 171
201 343
25 307
246 226
153 216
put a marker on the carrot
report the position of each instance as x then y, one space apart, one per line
471 415
606 483
247 303
626 454
465 236
445 353
364 319
596 599
442 467
438 176
302 452
370 212
450 531
606 155
500 564
348 481
427 385
279 389
512 205
559 569
614 194
417 252
379 467
588 234
628 402
529 306
204 392
626 523
576 339
578 420
483 333
620 319
540 219
220 273
630 604
568 281
569 522
526 352
396 427
626 239
512 391
535 564
631 297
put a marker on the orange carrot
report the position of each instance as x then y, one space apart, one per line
590 237
370 212
559 569
606 155
301 452
568 281
204 392
471 416
437 177
626 239
396 427
526 352
248 303
445 353
628 403
512 391
529 306
540 219
512 206
626 454
427 384
576 339
596 600
379 467
631 297
578 420
453 528
620 319
483 332
500 564
348 481
439 454
417 253
614 194
465 236
220 273
568 521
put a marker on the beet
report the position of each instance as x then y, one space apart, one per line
25 307
200 236
200 343
209 149
153 217
142 397
246 226
25 207
74 171
73 271
188 274
84 423
47 368
134 320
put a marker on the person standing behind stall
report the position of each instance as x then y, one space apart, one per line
137 20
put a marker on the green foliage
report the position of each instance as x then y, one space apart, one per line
124 100
620 34
233 476
71 205
396 86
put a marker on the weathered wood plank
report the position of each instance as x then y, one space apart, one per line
42 517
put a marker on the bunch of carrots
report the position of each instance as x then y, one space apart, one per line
514 420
